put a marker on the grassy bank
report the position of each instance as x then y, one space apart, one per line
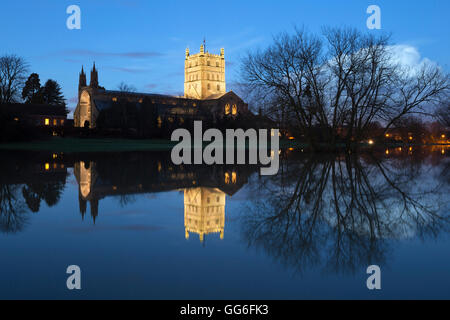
58 144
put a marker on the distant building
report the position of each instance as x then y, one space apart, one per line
36 114
205 94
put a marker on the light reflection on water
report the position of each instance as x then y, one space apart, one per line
140 227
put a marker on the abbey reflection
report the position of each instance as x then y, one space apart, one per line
204 207
205 187
204 211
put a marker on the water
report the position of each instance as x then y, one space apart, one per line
140 227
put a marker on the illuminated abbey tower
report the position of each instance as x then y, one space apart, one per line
204 74
86 176
204 211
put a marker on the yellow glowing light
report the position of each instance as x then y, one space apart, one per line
47 166
227 178
387 152
410 138
443 136
291 138
387 135
443 151
371 142
234 109
291 149
410 149
47 121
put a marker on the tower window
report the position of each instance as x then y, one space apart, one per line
234 111
227 108
233 177
209 86
217 63
218 87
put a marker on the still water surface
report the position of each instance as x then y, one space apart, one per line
140 227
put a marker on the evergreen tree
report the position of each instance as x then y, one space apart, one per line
31 90
52 94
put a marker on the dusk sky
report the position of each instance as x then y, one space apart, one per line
142 43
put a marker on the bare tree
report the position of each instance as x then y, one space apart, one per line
443 114
13 70
343 78
123 87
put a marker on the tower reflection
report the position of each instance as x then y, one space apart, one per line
204 212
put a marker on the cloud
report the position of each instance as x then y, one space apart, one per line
129 3
73 60
408 56
150 86
129 69
131 54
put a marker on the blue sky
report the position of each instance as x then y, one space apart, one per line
143 42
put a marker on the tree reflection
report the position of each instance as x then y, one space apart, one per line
13 215
26 180
340 213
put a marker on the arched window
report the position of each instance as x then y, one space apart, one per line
227 108
234 111
227 178
217 63
209 86
218 87
208 63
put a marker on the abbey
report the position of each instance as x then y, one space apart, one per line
205 96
